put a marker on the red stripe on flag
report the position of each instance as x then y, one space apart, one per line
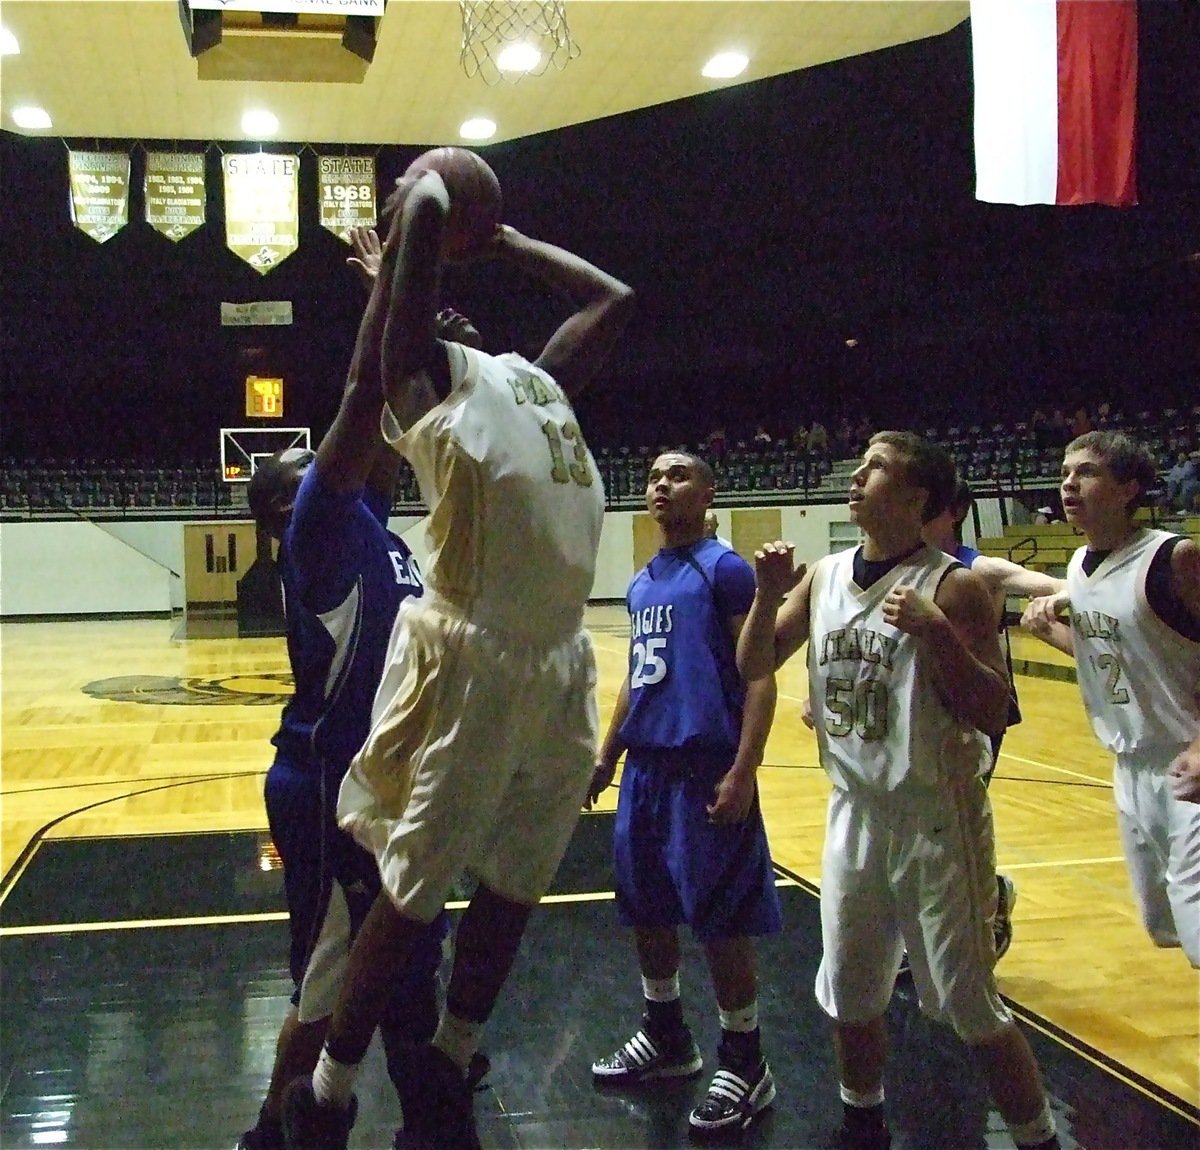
1097 102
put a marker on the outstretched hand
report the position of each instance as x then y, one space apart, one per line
776 571
1041 614
368 254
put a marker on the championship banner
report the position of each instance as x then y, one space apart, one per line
99 193
346 187
175 192
262 210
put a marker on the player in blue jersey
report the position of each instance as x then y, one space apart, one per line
689 842
344 576
1002 578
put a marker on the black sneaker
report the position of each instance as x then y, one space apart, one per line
265 1134
1006 899
438 1104
645 1057
308 1125
734 1098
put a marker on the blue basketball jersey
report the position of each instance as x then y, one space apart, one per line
344 576
684 688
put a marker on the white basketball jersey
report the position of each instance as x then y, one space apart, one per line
515 501
880 723
1138 676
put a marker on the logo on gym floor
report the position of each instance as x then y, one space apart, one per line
264 690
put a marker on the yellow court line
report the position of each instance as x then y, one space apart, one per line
263 916
1064 1038
1060 770
1061 863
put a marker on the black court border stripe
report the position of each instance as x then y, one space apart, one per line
14 872
1071 1042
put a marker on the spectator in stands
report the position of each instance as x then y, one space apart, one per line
717 442
762 437
1081 422
1183 482
818 440
800 438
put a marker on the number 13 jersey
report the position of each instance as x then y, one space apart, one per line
880 723
515 500
1138 676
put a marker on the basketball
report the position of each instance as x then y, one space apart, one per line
474 197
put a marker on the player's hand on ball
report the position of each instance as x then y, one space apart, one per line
911 612
776 571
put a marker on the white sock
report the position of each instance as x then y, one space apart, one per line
740 1021
458 1039
861 1101
1034 1133
661 989
333 1081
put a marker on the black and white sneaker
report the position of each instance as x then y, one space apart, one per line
733 1099
645 1057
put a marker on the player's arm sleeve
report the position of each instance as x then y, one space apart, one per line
734 585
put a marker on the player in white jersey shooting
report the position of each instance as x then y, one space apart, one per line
484 732
1135 635
907 680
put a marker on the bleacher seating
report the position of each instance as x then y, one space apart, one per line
995 458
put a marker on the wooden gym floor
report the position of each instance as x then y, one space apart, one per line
143 944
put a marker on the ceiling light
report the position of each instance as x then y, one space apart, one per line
477 129
518 58
32 118
8 43
258 123
725 65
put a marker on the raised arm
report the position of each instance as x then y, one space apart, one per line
776 625
413 364
577 350
350 455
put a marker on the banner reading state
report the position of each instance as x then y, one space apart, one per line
175 192
99 193
346 187
262 211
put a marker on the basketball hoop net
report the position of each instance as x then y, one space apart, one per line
511 40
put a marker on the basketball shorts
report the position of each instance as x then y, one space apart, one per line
330 882
1160 836
479 758
915 872
673 866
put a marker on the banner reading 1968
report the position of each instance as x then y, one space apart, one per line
99 193
346 186
175 192
262 212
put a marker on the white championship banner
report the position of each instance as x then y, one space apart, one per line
262 207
